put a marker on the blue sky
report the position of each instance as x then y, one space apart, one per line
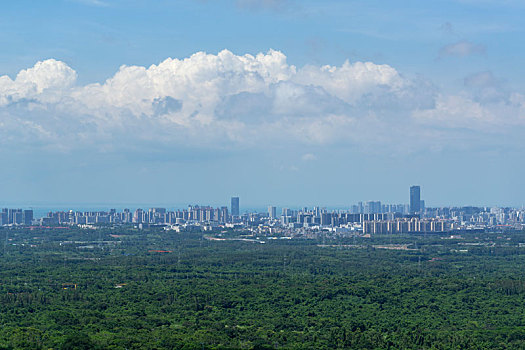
280 102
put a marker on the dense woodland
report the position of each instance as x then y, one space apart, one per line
121 288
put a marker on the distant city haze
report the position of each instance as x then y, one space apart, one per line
363 218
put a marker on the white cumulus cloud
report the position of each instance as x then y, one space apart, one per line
226 101
49 76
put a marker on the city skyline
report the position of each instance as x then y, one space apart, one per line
363 219
43 206
414 205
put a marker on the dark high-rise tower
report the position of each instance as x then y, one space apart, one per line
235 206
415 199
27 217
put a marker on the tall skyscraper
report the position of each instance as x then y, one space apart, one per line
272 212
138 216
415 199
3 217
235 206
27 217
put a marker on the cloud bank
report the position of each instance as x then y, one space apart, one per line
230 102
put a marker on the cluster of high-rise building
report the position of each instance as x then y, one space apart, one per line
416 205
406 225
152 216
16 217
367 217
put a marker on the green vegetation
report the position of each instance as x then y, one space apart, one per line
110 289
